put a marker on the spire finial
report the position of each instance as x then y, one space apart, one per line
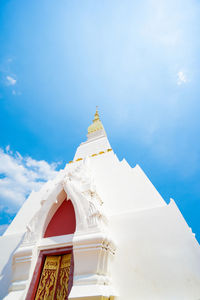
96 116
96 125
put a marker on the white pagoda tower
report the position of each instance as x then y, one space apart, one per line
99 231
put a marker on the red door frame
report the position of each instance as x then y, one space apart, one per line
39 265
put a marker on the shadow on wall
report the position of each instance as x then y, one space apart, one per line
8 245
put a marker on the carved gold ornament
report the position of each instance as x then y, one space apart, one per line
54 278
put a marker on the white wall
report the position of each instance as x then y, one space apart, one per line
8 245
157 256
121 187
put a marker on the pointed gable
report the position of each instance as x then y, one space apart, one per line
63 221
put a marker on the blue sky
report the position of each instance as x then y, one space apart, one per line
138 60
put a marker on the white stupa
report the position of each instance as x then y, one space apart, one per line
99 231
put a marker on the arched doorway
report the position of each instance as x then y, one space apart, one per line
53 275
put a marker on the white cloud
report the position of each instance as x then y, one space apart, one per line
8 148
20 175
11 80
181 78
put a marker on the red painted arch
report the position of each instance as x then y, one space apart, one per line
63 221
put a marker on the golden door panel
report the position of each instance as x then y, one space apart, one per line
63 277
48 279
54 278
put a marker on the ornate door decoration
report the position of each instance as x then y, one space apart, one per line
54 278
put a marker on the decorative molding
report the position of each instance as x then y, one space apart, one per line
95 154
92 247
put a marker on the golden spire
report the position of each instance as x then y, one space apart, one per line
96 125
96 116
